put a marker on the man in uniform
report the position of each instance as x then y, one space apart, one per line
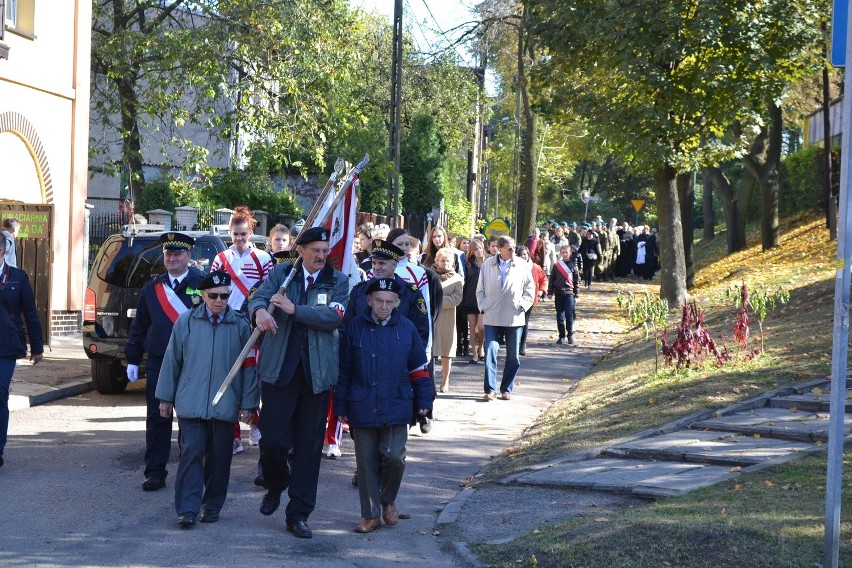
298 365
161 301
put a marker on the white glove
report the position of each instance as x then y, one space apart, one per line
132 373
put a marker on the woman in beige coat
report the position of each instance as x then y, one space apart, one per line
452 283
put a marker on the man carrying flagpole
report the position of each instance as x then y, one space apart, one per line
161 301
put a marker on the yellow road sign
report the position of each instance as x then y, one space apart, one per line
637 204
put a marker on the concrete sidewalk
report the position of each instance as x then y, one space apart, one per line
65 371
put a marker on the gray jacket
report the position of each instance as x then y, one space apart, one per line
505 305
197 361
322 315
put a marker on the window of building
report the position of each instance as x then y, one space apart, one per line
20 16
11 12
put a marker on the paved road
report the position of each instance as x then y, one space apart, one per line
71 485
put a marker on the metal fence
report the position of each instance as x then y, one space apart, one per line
101 226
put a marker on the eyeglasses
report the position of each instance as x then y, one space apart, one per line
215 296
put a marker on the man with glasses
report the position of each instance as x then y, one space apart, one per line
161 301
204 344
298 365
504 292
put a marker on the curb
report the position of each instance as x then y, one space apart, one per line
43 394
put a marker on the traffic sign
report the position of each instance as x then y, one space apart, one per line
497 228
637 204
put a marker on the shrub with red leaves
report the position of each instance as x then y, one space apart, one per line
693 344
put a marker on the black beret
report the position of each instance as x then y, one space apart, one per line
312 235
176 242
383 285
386 250
285 256
215 279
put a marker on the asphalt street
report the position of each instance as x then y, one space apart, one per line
71 492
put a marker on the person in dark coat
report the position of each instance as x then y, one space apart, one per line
17 305
627 252
161 302
565 286
590 249
382 369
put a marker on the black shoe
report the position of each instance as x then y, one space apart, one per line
260 481
560 341
300 529
522 353
570 341
186 521
425 424
153 484
1 461
269 504
208 516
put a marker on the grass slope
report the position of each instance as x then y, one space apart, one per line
770 518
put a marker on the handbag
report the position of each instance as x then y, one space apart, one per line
592 256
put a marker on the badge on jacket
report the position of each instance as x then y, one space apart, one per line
322 299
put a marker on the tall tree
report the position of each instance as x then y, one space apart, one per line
654 79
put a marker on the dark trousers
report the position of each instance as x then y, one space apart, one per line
158 430
380 461
523 347
588 271
565 315
462 340
293 417
7 369
206 449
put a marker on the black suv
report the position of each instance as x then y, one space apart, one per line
124 263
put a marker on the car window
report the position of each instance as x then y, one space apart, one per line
203 254
133 262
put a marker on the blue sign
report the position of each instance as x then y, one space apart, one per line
838 32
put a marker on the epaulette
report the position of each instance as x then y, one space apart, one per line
413 287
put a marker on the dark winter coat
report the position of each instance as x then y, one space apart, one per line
16 299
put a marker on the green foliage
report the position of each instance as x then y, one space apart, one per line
802 186
460 212
422 155
252 187
158 195
649 311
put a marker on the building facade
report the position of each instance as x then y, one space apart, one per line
45 49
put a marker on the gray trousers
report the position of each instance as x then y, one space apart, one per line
206 449
377 448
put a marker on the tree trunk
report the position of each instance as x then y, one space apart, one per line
673 267
734 206
686 198
707 207
528 191
131 143
769 234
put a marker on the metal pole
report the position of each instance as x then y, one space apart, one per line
840 343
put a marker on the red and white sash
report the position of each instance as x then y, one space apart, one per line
241 284
565 272
169 301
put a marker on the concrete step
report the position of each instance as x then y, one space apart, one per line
817 400
650 479
723 448
786 423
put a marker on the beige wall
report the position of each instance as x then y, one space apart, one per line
44 93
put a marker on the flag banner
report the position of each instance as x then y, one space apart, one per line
342 227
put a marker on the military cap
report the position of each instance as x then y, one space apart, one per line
177 242
383 285
386 250
215 279
285 256
576 247
563 223
312 235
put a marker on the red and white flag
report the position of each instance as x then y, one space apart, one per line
342 226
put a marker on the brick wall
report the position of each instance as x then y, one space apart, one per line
64 322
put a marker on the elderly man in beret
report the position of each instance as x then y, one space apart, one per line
161 301
203 346
382 369
298 364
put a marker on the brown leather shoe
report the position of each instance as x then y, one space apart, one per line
506 396
390 513
368 525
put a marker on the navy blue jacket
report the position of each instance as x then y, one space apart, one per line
374 388
411 305
16 299
151 328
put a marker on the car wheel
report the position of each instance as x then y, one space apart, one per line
109 377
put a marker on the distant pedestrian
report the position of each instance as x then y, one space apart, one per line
204 345
375 398
469 305
504 292
11 226
540 280
452 284
17 305
564 286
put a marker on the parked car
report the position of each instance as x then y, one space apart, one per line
125 262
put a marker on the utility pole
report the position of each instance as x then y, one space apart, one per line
395 120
